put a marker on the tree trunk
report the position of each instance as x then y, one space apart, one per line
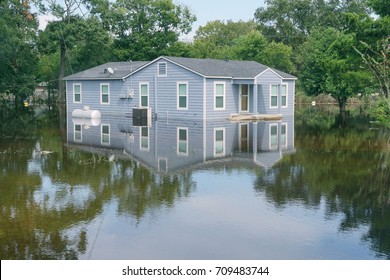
342 104
61 88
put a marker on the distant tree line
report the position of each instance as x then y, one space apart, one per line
335 47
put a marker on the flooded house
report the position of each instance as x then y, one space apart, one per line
177 87
173 113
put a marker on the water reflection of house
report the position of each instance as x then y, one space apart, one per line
171 145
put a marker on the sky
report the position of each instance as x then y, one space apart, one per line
209 10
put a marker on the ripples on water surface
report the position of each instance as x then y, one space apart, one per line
313 190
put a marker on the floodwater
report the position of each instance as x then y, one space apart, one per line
303 188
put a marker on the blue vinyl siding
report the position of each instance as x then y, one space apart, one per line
163 94
264 81
164 91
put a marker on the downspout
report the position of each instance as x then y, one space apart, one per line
155 95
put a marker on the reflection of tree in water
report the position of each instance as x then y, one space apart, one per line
348 167
47 200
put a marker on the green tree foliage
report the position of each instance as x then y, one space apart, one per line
254 46
241 41
378 62
18 55
76 36
330 68
381 7
291 21
145 29
217 37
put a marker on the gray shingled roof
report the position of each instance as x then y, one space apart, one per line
121 70
225 68
221 68
205 67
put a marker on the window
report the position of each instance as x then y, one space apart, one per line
105 134
219 142
162 69
273 135
182 141
277 90
283 135
182 95
274 96
219 93
104 93
144 134
284 95
77 93
78 133
144 93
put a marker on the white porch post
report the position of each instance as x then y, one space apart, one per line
255 103
254 141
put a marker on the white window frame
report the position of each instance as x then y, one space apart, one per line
102 134
140 93
281 95
74 93
101 93
178 95
223 142
273 95
215 96
178 141
159 73
284 145
271 147
141 137
80 133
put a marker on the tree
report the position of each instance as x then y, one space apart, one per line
145 29
216 37
254 46
381 7
378 62
291 21
329 66
76 35
18 53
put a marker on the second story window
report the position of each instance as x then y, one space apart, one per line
104 93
